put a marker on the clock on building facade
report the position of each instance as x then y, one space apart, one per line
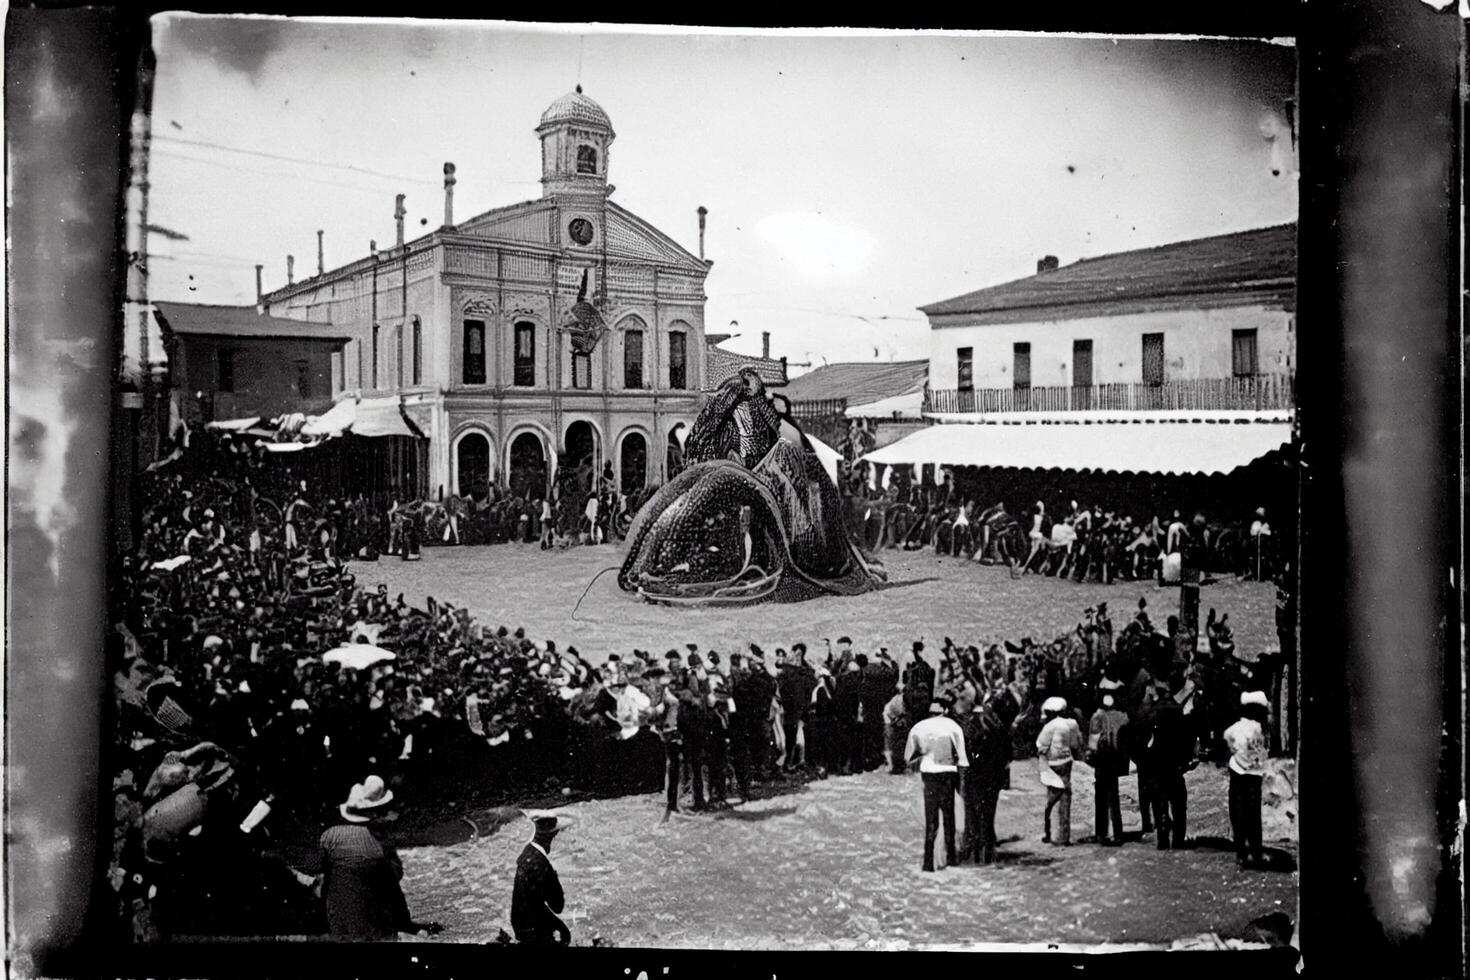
581 231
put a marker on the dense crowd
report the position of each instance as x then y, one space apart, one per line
1090 541
243 716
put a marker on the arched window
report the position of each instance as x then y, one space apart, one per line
634 463
473 464
587 159
525 355
633 359
678 360
474 352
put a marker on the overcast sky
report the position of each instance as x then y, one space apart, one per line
849 178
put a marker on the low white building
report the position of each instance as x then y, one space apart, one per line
1202 324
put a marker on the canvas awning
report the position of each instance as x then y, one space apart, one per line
1130 442
336 420
234 425
381 417
910 406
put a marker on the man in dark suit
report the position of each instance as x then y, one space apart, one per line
693 725
848 709
879 680
753 689
988 733
918 684
796 683
537 900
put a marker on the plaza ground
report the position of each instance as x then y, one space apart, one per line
927 597
833 864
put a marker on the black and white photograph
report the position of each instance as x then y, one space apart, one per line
712 489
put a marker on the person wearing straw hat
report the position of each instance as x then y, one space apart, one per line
938 745
1058 744
1246 740
536 899
360 874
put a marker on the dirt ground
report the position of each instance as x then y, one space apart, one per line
927 597
835 865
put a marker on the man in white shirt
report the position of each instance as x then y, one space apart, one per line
939 746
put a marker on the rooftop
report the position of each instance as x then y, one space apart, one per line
1256 259
860 383
199 319
574 107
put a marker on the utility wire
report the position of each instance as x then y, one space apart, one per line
289 159
265 173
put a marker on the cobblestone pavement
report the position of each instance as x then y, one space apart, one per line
928 596
835 865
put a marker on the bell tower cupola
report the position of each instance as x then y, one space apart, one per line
575 135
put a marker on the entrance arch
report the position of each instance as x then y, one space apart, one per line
527 466
674 451
472 464
633 462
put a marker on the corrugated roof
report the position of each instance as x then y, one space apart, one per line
1258 258
1171 446
721 365
197 319
860 383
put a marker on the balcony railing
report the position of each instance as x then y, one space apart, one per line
1254 393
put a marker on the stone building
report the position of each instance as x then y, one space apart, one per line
559 331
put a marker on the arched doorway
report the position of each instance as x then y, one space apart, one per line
581 456
634 463
674 454
527 466
472 465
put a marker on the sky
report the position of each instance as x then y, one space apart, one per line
850 178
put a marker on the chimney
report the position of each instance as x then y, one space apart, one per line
398 215
448 195
1047 263
702 212
259 288
321 256
290 269
766 344
373 247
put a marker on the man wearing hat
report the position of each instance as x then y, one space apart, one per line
938 745
536 900
795 684
988 738
918 683
1058 744
1246 740
1109 761
360 875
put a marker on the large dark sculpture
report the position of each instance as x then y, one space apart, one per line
752 513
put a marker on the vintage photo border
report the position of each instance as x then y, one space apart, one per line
1381 267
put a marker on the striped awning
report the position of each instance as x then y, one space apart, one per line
1173 443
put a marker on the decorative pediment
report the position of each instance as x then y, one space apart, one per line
520 313
630 236
480 306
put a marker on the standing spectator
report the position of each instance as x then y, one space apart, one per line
879 679
918 683
669 732
795 685
536 898
1059 744
360 875
1169 754
1109 762
821 720
938 745
693 694
547 525
895 727
988 736
1246 740
848 706
717 740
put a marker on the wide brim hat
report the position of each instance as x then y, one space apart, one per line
368 795
549 821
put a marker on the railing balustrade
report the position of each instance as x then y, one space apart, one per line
1252 393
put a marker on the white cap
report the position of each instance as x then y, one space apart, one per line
1054 704
1254 697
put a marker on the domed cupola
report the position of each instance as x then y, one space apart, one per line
575 135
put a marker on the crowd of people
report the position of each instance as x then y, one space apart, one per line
1090 541
263 695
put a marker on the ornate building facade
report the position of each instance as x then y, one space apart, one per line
561 331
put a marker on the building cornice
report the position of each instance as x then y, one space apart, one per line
1279 293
